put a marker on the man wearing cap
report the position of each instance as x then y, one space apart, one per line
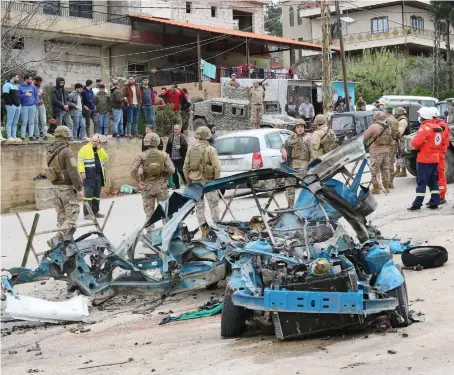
402 124
428 142
66 183
442 183
394 126
297 152
233 82
378 139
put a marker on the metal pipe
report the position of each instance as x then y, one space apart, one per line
229 203
107 216
30 240
227 206
26 235
262 214
199 59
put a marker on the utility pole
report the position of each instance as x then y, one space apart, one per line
327 67
342 53
199 60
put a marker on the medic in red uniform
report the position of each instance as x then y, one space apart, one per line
442 183
428 141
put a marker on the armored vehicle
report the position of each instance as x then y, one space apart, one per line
233 112
349 124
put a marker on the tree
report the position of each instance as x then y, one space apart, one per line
376 73
444 11
25 21
273 21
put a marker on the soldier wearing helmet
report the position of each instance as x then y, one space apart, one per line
428 142
378 139
151 170
394 126
201 165
323 138
402 124
66 183
297 152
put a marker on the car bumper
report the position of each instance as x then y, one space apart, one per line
314 302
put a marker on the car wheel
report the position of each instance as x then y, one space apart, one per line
400 294
450 166
410 164
425 256
198 123
233 320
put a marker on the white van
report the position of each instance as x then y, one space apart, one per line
425 101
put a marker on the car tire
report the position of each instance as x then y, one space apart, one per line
198 122
410 165
450 166
400 294
425 256
233 320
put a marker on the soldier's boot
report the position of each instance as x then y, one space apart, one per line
397 171
391 184
375 189
205 230
403 173
387 187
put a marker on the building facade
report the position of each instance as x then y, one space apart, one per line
81 40
405 25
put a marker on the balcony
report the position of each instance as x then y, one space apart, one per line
392 37
50 18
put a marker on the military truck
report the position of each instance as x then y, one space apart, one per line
409 153
233 111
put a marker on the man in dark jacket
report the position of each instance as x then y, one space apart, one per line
61 105
10 95
177 147
89 107
117 102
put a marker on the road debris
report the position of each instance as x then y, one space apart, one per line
79 329
212 307
390 351
107 364
36 348
12 351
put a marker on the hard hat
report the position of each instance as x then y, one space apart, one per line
203 133
320 267
426 113
435 112
62 131
379 116
151 139
320 120
389 107
400 111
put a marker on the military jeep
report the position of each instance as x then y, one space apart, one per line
410 154
233 112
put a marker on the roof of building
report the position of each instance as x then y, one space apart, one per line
271 39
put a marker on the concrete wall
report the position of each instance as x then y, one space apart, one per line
21 163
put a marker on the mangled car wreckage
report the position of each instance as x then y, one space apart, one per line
300 267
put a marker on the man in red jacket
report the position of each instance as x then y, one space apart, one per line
442 183
174 96
428 141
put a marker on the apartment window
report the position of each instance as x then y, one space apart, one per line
188 7
52 8
82 9
17 42
298 17
137 69
379 25
214 11
291 15
417 23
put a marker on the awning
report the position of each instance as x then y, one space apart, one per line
269 39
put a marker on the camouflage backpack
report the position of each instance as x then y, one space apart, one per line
198 161
328 141
384 138
154 164
53 171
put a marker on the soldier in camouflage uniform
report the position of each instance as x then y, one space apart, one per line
297 151
156 167
323 138
67 185
256 96
201 165
402 123
378 138
393 125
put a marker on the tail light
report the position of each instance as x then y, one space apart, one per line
257 161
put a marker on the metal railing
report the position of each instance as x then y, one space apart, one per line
56 9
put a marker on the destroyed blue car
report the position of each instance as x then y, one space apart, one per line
304 271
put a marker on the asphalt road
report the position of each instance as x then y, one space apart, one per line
195 347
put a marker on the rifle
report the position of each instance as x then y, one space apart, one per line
399 150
